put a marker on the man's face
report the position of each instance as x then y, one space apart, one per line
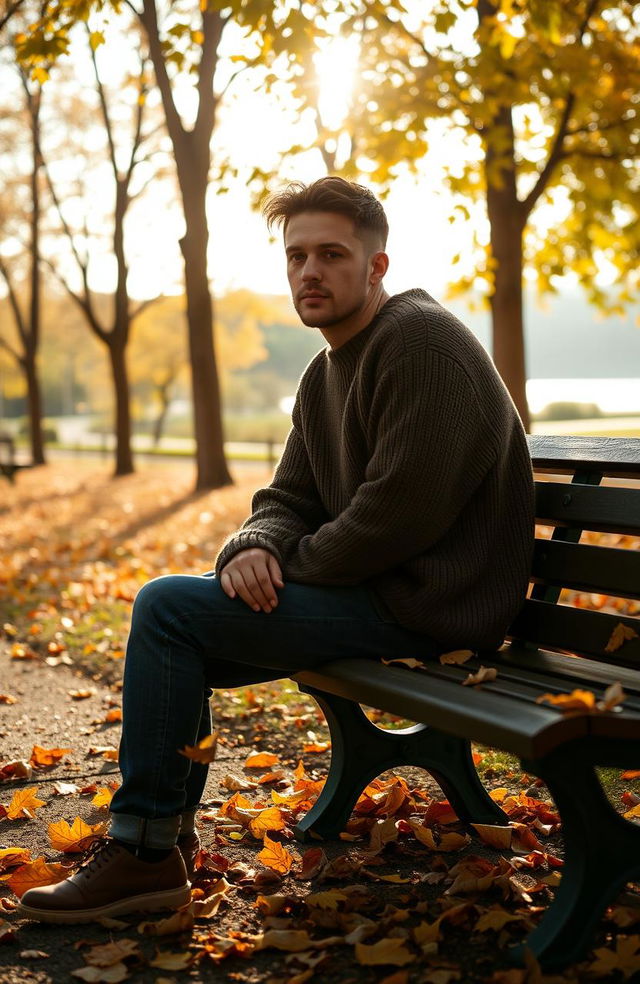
328 268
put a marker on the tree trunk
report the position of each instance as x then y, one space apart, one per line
212 471
506 219
122 421
34 406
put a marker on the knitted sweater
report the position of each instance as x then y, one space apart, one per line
406 469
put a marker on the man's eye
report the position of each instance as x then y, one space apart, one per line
296 257
333 254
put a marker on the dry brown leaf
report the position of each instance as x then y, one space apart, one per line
409 661
496 919
625 958
178 922
81 694
107 752
204 752
622 633
289 940
496 836
234 783
275 856
456 657
313 861
108 954
115 714
33 955
389 951
436 841
61 788
24 803
484 674
71 839
13 857
18 769
613 696
165 960
330 899
102 975
8 699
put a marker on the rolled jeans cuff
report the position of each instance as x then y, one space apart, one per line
160 832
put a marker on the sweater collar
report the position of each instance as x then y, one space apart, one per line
347 355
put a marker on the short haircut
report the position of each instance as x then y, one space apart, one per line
330 194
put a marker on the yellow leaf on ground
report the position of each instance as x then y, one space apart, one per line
108 954
289 940
107 752
81 694
625 958
71 839
47 756
24 803
35 874
12 857
275 856
103 797
178 922
204 752
102 975
499 837
438 842
269 819
495 920
234 783
389 951
330 899
8 699
115 714
261 760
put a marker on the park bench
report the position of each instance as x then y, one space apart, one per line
552 647
9 462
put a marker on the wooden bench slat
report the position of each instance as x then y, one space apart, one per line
524 729
576 630
571 670
589 507
605 570
618 456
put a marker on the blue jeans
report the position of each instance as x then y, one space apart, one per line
187 637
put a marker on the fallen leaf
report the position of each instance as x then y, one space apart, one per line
408 661
437 841
484 674
81 694
102 975
108 954
33 955
275 856
289 940
613 696
178 922
577 700
107 752
269 819
166 960
313 861
313 748
625 958
18 769
41 757
496 836
35 874
71 839
387 951
115 714
456 657
631 774
495 919
330 899
8 699
204 752
61 788
622 633
234 783
261 760
24 804
103 797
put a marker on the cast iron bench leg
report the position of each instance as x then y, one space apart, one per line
360 751
602 854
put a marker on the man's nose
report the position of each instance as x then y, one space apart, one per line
311 269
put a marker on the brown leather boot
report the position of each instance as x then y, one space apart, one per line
111 883
189 846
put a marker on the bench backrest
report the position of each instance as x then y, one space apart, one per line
576 567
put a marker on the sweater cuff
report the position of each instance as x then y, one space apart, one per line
245 540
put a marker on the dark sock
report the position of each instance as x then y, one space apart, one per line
145 853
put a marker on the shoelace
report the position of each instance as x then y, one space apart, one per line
98 856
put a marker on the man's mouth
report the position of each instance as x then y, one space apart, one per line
312 295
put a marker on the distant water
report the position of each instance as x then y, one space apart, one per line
610 395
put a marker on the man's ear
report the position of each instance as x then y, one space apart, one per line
379 266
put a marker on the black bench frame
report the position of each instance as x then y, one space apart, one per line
9 464
602 849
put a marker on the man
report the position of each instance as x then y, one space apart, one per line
399 521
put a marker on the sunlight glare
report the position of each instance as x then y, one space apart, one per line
335 66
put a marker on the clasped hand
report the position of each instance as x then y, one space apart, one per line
253 575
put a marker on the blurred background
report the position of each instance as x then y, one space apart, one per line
144 306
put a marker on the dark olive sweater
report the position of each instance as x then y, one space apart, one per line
407 468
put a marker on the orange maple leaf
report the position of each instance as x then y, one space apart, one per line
41 757
269 819
622 633
275 856
24 803
438 842
261 760
13 857
204 752
103 797
577 700
35 874
78 836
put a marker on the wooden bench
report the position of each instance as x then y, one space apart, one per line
9 463
552 648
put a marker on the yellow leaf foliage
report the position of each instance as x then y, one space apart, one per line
72 839
275 856
24 803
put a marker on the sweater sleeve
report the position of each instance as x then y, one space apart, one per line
431 446
284 512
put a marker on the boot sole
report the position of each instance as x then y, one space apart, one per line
174 898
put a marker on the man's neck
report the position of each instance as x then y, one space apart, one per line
337 335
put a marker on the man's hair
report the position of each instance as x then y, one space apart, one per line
330 194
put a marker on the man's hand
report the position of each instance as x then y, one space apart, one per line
254 575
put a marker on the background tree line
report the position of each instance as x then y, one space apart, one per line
539 99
